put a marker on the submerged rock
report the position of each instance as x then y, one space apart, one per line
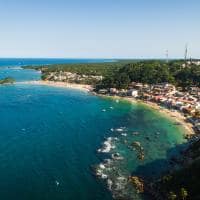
116 156
109 183
136 144
138 183
141 156
148 138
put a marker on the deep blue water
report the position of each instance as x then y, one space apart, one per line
46 137
12 66
49 139
41 61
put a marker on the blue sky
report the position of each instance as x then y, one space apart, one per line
99 28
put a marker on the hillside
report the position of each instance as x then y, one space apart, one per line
184 183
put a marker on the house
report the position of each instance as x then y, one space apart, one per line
179 105
198 106
103 91
138 86
188 109
132 92
179 94
113 91
122 92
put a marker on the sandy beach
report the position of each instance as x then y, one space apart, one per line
82 87
173 114
176 116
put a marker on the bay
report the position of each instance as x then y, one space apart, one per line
49 139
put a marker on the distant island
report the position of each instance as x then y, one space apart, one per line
174 85
7 80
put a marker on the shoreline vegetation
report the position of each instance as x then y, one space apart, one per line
171 88
7 80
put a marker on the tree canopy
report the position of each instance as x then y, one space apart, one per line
121 73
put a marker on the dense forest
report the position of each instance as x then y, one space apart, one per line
153 72
120 74
96 69
184 183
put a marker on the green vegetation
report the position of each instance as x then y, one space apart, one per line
95 69
7 80
153 72
120 74
184 183
188 76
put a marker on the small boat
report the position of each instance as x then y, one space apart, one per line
57 183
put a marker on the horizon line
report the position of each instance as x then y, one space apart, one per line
100 58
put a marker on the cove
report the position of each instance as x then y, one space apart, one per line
50 137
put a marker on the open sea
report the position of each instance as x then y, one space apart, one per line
53 139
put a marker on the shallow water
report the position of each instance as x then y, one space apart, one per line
49 139
159 138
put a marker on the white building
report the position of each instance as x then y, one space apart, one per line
133 93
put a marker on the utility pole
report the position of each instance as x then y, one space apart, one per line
186 54
167 56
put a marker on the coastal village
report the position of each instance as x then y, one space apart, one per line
165 94
63 76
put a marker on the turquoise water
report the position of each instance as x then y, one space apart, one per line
160 138
49 139
12 66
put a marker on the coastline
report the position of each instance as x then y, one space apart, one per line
82 87
173 115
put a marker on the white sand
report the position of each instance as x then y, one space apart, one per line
60 84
